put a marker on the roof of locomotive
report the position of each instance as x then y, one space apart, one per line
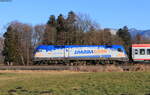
49 47
107 46
140 45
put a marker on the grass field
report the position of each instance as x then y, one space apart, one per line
74 83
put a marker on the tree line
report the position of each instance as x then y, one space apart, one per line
20 40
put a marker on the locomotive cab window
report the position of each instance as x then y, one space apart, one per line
119 49
136 51
142 51
148 51
108 46
61 46
39 50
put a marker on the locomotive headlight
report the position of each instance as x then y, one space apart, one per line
49 52
38 54
121 55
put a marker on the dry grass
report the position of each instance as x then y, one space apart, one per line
109 68
140 67
40 71
81 69
112 68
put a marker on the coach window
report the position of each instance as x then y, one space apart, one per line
142 51
136 51
148 51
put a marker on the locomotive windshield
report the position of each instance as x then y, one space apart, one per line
120 50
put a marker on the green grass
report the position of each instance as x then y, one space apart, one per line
65 83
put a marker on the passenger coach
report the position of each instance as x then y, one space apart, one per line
141 52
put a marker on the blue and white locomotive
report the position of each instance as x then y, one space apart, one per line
84 53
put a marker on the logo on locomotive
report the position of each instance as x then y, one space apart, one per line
101 51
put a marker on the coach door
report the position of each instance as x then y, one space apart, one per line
135 53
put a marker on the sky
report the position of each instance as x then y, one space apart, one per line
107 13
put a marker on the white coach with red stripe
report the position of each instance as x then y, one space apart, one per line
141 52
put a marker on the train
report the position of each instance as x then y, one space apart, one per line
91 54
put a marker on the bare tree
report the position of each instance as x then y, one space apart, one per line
1 49
84 23
37 36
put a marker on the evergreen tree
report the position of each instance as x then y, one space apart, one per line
52 21
71 28
71 17
61 35
61 23
10 49
125 36
49 36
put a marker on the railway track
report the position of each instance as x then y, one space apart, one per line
34 67
125 68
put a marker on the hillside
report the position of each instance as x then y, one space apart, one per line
145 33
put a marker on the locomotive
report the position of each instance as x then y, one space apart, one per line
90 54
80 54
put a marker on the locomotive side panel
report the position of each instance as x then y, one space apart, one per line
82 52
97 51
